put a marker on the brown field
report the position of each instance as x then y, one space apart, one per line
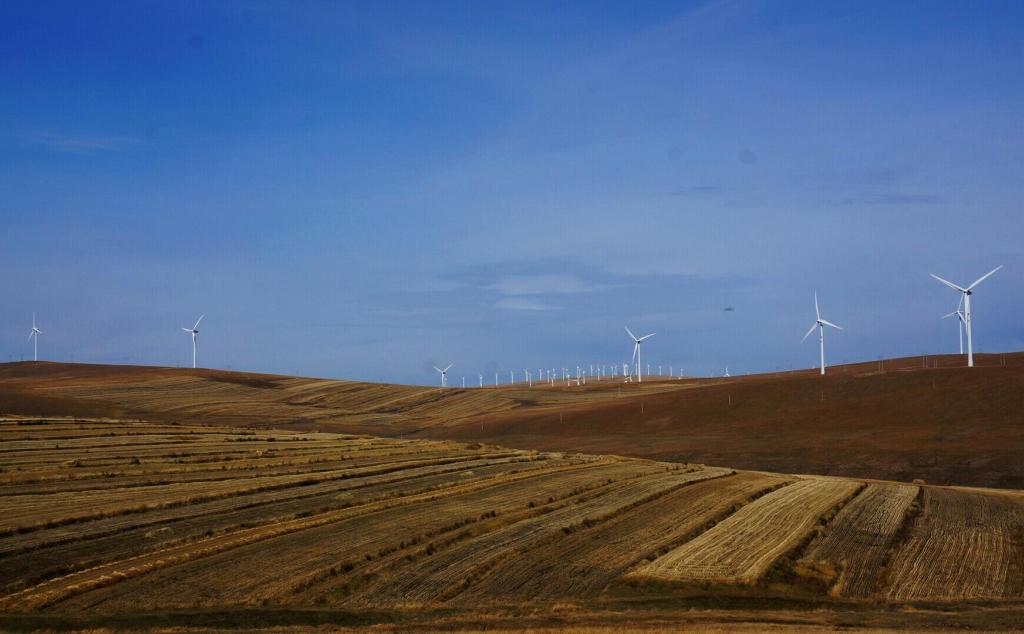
923 418
240 528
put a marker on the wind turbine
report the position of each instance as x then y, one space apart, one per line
35 332
727 375
959 321
636 351
444 374
820 324
194 331
967 292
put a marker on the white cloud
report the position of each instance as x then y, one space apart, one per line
554 284
524 303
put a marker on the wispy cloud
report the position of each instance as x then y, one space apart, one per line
544 284
895 199
523 303
74 144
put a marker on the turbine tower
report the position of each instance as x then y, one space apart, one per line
444 374
35 332
194 331
820 324
636 351
966 296
959 321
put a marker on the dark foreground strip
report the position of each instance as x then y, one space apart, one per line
674 612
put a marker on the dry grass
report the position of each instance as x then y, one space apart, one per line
857 543
963 546
743 547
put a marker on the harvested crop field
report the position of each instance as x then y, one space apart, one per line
742 547
861 536
238 520
963 545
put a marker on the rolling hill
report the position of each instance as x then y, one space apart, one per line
900 419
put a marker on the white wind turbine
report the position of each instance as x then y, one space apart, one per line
194 331
35 332
967 292
959 321
444 374
636 351
820 324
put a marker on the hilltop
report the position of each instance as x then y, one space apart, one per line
925 418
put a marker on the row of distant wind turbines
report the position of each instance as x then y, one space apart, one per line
963 320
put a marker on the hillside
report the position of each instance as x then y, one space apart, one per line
112 523
946 424
902 419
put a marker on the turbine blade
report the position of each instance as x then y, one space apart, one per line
955 312
198 320
829 323
437 368
647 336
636 348
30 334
948 283
982 278
630 333
449 367
817 312
186 330
813 326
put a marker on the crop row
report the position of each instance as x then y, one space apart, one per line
964 545
860 538
202 553
742 548
25 512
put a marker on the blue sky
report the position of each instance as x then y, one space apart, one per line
362 190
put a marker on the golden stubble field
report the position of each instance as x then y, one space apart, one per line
125 524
